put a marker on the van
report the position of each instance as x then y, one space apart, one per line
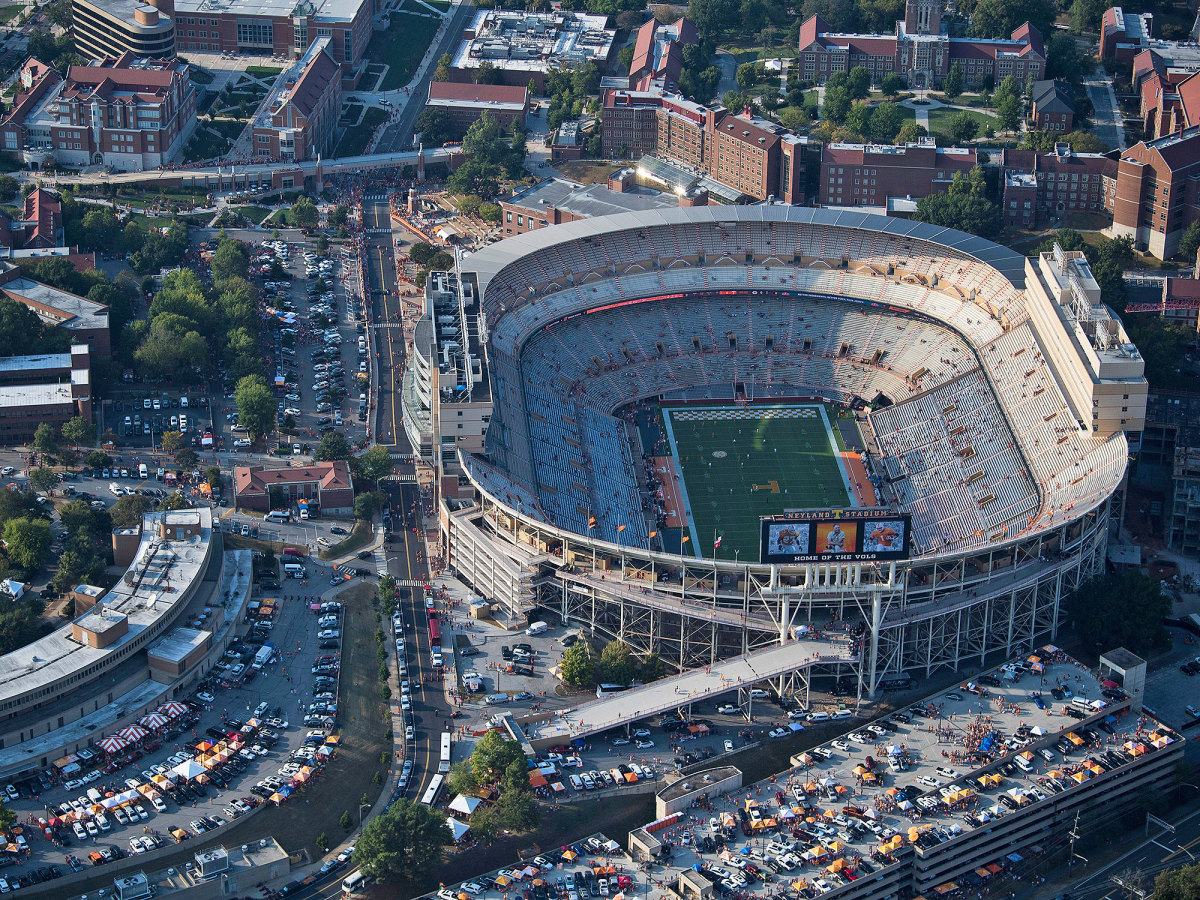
294 570
537 628
495 699
1024 761
278 515
183 423
1082 703
293 551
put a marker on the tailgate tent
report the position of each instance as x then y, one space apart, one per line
457 829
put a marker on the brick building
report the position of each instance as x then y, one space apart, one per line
463 103
1042 186
920 50
658 54
1053 106
130 114
757 158
1170 101
52 388
85 320
870 174
285 28
298 118
328 483
1156 191
1124 35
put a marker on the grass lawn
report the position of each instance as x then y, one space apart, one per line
359 537
8 13
227 129
939 120
205 145
263 71
722 458
254 213
351 112
583 171
401 46
201 75
354 140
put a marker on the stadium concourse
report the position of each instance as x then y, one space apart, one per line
986 397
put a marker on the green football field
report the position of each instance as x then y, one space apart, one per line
739 463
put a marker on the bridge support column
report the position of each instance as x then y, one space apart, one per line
876 622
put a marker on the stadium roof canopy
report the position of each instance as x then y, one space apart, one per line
488 262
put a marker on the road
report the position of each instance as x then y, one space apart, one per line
397 135
388 336
1159 852
1106 119
403 551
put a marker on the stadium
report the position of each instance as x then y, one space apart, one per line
715 428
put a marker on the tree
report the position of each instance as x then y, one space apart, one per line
747 75
127 512
173 500
28 541
186 457
653 668
518 809
952 85
492 756
1008 112
1121 610
858 82
97 459
1182 883
45 439
793 118
1189 243
171 441
442 72
485 823
77 431
333 445
256 407
909 132
962 127
8 817
616 664
1064 61
369 503
712 17
345 821
1086 14
304 212
892 84
1000 18
836 105
461 778
42 478
435 126
230 260
886 122
578 667
404 843
964 206
858 119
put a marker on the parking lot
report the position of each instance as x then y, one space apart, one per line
308 328
254 731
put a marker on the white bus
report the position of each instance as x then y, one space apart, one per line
429 798
355 883
444 762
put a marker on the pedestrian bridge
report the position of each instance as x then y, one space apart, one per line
691 687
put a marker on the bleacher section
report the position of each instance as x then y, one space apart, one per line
980 445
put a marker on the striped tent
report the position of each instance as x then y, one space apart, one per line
153 720
172 709
134 733
114 743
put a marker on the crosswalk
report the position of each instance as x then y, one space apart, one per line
378 230
403 478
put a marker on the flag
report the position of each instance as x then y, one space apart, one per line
654 534
717 542
620 528
685 539
591 521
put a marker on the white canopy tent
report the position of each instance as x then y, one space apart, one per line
464 804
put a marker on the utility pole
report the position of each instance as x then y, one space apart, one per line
1131 882
1073 834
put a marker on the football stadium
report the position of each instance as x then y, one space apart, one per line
716 429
